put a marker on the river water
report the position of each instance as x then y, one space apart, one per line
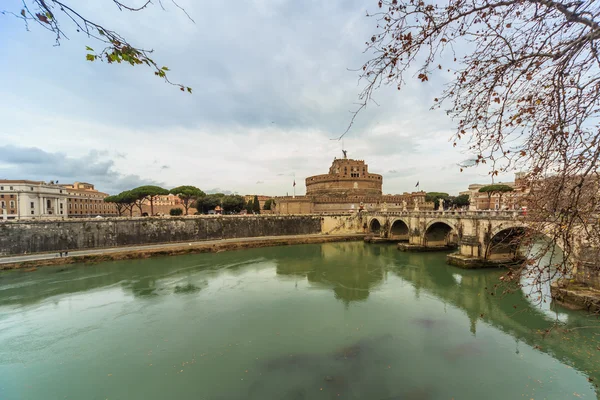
331 321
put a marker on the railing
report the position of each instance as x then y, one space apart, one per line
449 213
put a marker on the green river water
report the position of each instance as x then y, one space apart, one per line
331 321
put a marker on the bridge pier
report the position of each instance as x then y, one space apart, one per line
469 262
419 244
472 254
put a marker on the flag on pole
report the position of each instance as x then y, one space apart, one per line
417 185
294 183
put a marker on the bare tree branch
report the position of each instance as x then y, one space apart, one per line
118 49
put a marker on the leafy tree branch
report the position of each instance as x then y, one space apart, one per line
50 15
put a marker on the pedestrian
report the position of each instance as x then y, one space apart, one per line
60 253
66 253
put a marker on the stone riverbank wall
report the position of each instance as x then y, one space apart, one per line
52 236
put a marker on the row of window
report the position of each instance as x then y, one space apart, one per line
12 196
86 195
3 204
30 188
97 201
92 206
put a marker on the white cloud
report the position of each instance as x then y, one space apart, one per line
273 83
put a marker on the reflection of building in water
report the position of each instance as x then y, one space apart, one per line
348 187
347 269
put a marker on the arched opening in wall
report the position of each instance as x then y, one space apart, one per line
399 230
507 244
440 234
375 226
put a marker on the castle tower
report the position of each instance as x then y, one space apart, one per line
346 177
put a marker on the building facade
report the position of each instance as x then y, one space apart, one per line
348 187
514 200
85 201
25 199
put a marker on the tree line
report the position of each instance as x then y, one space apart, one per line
449 201
463 199
190 196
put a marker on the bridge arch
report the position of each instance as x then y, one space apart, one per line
375 226
505 242
399 229
440 233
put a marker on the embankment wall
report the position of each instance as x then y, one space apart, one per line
53 236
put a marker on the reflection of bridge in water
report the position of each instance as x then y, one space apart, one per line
350 271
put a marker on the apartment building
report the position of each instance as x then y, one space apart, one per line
25 199
85 201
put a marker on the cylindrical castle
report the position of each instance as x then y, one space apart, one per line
346 177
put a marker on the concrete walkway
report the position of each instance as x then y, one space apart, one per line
108 250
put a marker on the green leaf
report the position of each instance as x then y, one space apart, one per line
101 32
23 12
88 48
189 89
165 68
90 57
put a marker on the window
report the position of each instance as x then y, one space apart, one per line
61 210
61 206
1 187
31 187
32 212
32 205
2 204
11 188
48 204
12 196
12 204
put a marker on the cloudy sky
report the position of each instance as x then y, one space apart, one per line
273 81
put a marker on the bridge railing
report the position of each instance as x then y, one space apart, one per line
449 213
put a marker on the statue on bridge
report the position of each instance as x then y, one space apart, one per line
472 204
440 204
404 205
416 201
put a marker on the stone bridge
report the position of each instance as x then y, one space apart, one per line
486 239
480 236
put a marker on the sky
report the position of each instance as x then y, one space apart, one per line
273 82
